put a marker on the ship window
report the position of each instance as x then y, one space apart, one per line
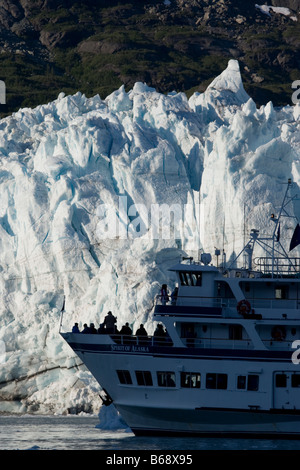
249 382
190 379
235 332
241 382
124 377
190 279
143 377
281 380
253 382
196 279
166 379
281 292
183 279
296 380
216 381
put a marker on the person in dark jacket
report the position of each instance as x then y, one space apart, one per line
75 328
92 328
109 323
141 331
159 334
126 330
85 329
164 294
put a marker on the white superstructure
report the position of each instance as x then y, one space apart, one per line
228 365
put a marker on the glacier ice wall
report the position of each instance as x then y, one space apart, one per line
217 158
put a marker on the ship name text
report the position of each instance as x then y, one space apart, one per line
129 348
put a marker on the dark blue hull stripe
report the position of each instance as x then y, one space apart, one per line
189 353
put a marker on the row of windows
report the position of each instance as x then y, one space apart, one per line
189 380
282 380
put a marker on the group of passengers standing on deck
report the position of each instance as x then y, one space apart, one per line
109 327
109 324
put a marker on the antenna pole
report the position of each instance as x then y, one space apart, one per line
276 220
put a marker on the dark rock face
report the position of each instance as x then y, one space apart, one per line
63 45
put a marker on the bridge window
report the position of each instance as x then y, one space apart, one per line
190 379
190 278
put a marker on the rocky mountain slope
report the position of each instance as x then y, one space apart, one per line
48 46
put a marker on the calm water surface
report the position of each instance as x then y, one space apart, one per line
81 433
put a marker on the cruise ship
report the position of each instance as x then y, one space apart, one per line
227 363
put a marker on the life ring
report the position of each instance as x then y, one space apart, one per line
243 307
278 333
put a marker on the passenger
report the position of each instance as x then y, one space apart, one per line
92 328
109 323
85 329
126 330
164 294
159 334
170 381
141 331
142 335
101 329
174 296
75 328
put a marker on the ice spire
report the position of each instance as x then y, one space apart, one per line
229 85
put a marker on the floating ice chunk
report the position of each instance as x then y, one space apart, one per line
110 419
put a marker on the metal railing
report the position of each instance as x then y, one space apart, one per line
219 343
184 300
132 340
227 343
278 265
219 302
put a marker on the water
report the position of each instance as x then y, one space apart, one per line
80 433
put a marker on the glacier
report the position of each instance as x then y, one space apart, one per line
76 168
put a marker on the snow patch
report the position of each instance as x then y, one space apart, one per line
269 9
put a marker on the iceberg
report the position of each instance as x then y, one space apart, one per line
101 196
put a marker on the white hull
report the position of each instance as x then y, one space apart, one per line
155 410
